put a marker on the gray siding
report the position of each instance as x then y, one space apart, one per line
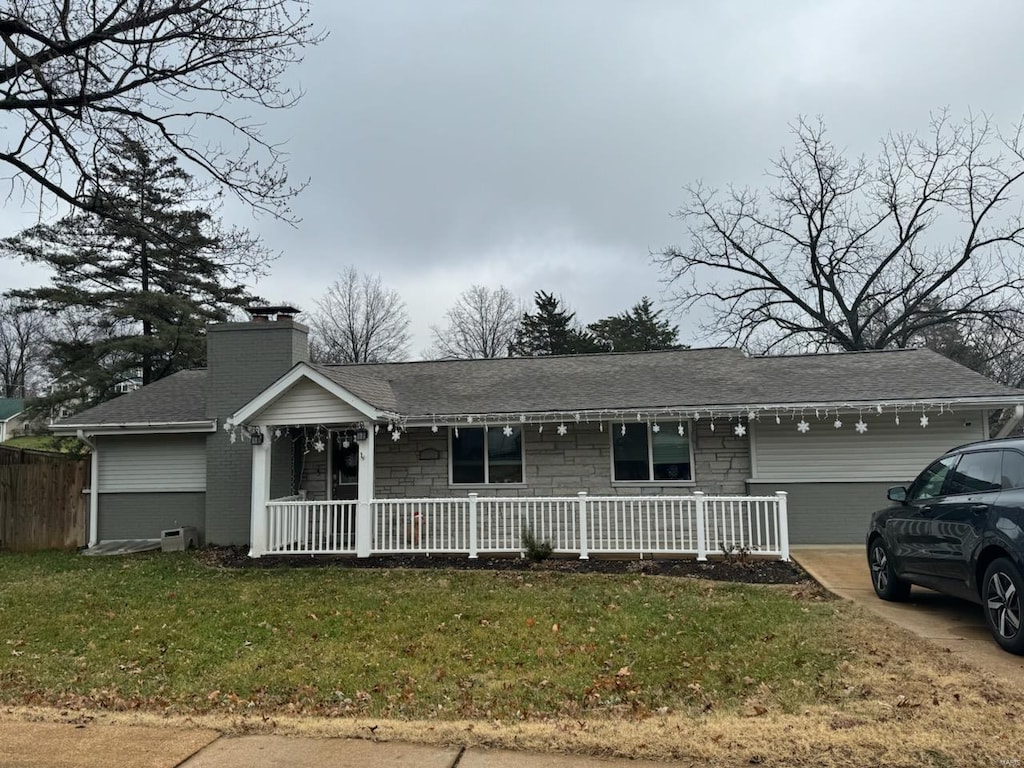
243 359
308 402
886 452
146 463
145 515
828 513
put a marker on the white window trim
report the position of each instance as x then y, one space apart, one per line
487 461
650 460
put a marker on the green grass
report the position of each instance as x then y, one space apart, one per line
50 443
166 632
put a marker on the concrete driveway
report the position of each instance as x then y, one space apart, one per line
948 622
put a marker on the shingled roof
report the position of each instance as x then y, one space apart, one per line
177 399
691 379
684 379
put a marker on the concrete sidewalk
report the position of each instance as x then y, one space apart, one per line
56 745
947 621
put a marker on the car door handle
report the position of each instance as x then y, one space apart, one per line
979 508
925 510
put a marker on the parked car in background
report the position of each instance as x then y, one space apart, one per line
959 529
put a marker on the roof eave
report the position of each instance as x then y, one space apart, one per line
138 428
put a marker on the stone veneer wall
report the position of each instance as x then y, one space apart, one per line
554 466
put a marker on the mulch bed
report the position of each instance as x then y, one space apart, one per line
748 571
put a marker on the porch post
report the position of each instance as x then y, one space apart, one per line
364 511
258 534
783 519
474 544
702 527
584 526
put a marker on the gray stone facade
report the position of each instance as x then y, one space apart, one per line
416 466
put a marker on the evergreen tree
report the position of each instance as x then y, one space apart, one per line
142 277
551 330
641 329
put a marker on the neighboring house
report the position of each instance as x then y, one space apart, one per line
12 417
215 448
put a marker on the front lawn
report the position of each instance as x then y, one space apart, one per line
168 633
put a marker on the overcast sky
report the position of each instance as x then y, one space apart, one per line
543 145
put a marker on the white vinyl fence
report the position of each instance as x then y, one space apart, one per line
695 525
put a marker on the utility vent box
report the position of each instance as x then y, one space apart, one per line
179 539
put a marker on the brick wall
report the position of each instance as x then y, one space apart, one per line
417 465
242 360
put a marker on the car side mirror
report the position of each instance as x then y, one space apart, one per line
897 493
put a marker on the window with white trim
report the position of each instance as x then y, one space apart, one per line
642 454
486 455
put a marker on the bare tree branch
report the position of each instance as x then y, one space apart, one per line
358 320
846 254
481 324
178 75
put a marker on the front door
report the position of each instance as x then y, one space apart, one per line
344 468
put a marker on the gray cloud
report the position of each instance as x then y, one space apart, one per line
543 145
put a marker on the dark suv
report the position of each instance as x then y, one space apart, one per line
959 529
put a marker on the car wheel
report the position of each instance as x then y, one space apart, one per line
1001 596
887 584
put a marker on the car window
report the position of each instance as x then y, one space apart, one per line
1013 469
979 472
929 483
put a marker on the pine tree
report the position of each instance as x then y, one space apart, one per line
550 330
639 330
141 278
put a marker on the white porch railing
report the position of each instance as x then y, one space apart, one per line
665 525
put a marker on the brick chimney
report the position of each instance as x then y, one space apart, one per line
242 360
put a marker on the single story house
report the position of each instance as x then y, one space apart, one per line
268 449
12 417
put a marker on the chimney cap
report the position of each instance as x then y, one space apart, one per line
265 312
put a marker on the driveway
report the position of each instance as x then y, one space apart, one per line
946 621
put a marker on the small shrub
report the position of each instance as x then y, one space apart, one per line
537 550
736 553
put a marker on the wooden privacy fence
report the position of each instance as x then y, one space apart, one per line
43 504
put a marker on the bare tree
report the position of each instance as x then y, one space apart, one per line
358 320
23 349
843 254
481 324
177 75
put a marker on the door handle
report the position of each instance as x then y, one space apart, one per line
925 510
978 508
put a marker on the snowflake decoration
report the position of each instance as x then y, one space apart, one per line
577 417
395 435
802 426
623 430
345 443
469 419
655 428
456 433
376 429
277 433
878 408
861 427
681 430
751 415
897 420
837 423
777 419
232 437
924 421
522 418
600 427
507 431
540 429
696 416
562 429
712 426
228 425
433 428
740 430
318 446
